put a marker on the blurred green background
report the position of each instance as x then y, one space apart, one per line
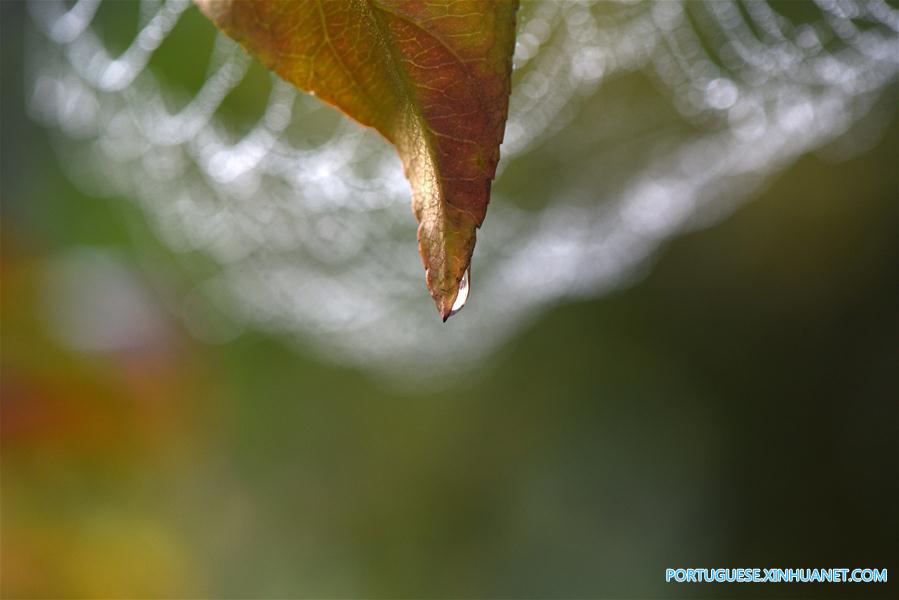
735 408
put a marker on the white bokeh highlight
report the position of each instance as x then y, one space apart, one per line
317 242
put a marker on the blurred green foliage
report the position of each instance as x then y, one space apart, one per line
737 407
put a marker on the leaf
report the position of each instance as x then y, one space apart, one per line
432 76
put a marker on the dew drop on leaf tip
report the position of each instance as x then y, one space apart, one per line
462 296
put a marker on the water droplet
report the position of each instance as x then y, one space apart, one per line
462 296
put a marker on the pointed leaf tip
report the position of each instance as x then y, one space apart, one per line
432 77
445 305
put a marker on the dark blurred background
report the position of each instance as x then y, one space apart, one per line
737 407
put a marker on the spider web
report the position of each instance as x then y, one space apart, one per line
316 240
